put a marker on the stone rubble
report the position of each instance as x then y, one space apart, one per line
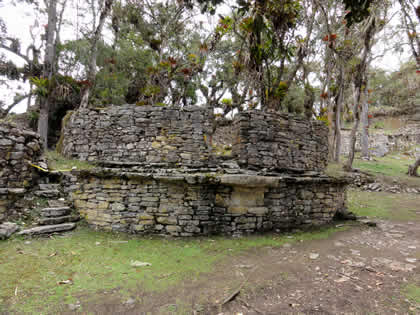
7 229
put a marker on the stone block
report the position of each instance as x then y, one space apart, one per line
118 206
173 229
238 210
138 227
258 210
146 222
167 220
146 217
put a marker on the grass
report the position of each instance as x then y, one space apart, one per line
58 162
390 167
412 293
100 261
384 205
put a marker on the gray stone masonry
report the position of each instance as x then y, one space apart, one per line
381 143
142 134
203 204
279 141
168 137
18 148
161 173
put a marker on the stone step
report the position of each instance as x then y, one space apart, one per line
46 229
47 193
55 212
57 203
59 220
49 186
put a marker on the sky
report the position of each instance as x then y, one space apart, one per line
19 19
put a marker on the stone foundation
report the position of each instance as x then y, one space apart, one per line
187 205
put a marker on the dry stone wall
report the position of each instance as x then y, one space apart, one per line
143 134
381 143
280 141
168 137
162 174
187 205
18 148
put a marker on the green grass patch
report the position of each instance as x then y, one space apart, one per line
412 292
400 207
390 167
100 261
58 162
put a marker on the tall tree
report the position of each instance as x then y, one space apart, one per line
48 71
409 9
91 71
360 82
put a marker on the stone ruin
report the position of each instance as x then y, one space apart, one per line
18 149
161 172
165 171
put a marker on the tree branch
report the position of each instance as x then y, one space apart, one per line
5 112
2 46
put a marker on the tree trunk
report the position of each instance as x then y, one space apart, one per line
364 137
353 135
331 129
412 169
339 105
48 72
94 53
413 37
360 85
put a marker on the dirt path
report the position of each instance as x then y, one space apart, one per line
363 270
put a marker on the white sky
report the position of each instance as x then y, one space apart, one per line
20 17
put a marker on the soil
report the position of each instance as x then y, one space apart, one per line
362 270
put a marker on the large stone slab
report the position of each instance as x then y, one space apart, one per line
47 193
59 220
55 212
47 229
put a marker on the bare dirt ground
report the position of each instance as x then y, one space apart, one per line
362 270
